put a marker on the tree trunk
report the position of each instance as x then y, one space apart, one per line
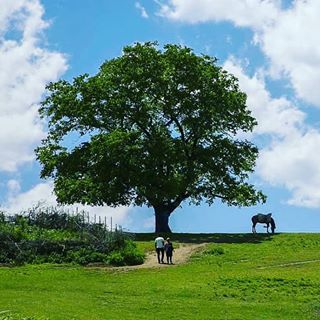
162 215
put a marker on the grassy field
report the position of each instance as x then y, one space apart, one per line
237 276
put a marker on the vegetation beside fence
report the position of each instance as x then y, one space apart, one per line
53 235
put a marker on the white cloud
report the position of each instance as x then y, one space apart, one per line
292 45
288 38
13 186
294 164
277 117
43 193
249 13
142 10
20 201
26 67
292 159
7 10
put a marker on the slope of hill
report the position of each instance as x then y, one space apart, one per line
232 276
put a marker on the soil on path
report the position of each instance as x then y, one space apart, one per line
180 256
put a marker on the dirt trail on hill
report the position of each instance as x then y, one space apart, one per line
290 264
180 256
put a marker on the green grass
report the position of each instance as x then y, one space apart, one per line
235 277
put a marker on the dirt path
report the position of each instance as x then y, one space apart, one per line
297 263
180 256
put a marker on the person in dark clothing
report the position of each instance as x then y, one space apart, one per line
168 248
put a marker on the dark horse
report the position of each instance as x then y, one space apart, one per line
263 218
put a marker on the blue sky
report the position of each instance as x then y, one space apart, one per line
271 46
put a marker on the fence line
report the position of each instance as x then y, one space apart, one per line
52 216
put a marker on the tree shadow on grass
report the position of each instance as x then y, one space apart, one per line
209 237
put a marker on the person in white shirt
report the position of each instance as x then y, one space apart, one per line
159 246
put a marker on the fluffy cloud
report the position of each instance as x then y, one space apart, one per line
251 13
277 117
43 194
291 160
26 67
289 40
288 37
291 43
142 10
294 164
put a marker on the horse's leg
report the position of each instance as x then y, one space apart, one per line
254 227
268 227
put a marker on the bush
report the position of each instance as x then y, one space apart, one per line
132 255
49 236
85 256
116 259
126 257
215 251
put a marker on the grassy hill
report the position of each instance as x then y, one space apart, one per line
236 276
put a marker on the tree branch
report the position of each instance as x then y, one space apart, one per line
145 131
180 129
178 200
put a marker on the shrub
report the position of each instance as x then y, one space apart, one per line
116 259
131 254
85 256
133 258
37 239
215 251
128 256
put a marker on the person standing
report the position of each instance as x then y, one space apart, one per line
168 248
159 245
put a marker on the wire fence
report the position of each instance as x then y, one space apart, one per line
61 218
55 234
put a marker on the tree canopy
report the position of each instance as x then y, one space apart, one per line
153 127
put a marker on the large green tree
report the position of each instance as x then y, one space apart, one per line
154 127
